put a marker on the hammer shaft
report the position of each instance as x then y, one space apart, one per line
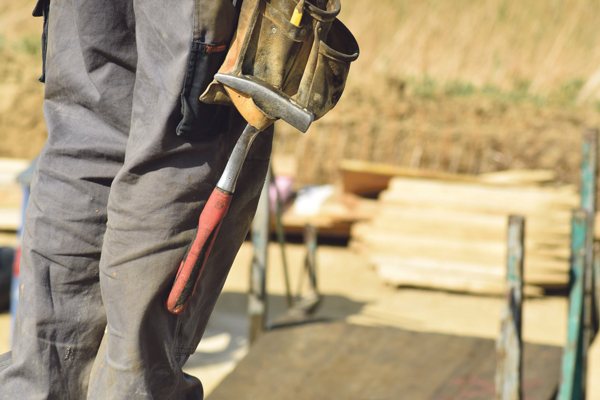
209 223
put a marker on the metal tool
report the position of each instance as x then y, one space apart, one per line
275 105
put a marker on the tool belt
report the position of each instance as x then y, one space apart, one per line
308 60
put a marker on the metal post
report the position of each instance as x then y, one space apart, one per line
571 375
307 303
310 262
509 342
257 297
281 240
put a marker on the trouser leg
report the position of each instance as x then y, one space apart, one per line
61 317
153 211
162 181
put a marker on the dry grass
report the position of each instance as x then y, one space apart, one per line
461 86
500 43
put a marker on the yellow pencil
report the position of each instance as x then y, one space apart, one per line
297 15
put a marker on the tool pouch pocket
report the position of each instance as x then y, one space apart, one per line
42 9
324 81
277 47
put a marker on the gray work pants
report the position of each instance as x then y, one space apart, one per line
130 161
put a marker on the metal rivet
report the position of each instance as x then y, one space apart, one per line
273 30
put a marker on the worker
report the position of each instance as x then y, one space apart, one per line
139 134
130 160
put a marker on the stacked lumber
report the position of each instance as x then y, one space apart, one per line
451 234
10 193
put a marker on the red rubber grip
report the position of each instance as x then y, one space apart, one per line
193 263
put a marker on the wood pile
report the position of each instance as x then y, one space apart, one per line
10 193
451 234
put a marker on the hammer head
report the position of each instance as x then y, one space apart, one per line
272 102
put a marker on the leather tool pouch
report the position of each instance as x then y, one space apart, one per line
309 62
325 75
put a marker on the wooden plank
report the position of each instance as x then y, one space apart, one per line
413 218
571 383
362 177
457 250
508 344
10 219
407 275
342 361
376 232
11 196
518 177
472 196
438 279
10 168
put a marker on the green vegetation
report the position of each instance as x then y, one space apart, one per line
538 51
30 44
563 95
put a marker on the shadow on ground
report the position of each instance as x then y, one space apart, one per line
226 337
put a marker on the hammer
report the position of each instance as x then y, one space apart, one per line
272 104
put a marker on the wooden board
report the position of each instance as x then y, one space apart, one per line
349 362
367 178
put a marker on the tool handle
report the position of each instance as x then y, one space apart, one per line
193 263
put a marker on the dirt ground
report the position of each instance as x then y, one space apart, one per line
353 293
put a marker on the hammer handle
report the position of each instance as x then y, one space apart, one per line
193 263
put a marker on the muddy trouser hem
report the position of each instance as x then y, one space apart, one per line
115 202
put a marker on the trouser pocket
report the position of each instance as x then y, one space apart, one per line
214 24
200 120
42 8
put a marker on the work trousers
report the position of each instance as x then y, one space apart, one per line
130 160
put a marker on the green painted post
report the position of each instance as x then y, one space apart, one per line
589 168
509 344
596 287
571 374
